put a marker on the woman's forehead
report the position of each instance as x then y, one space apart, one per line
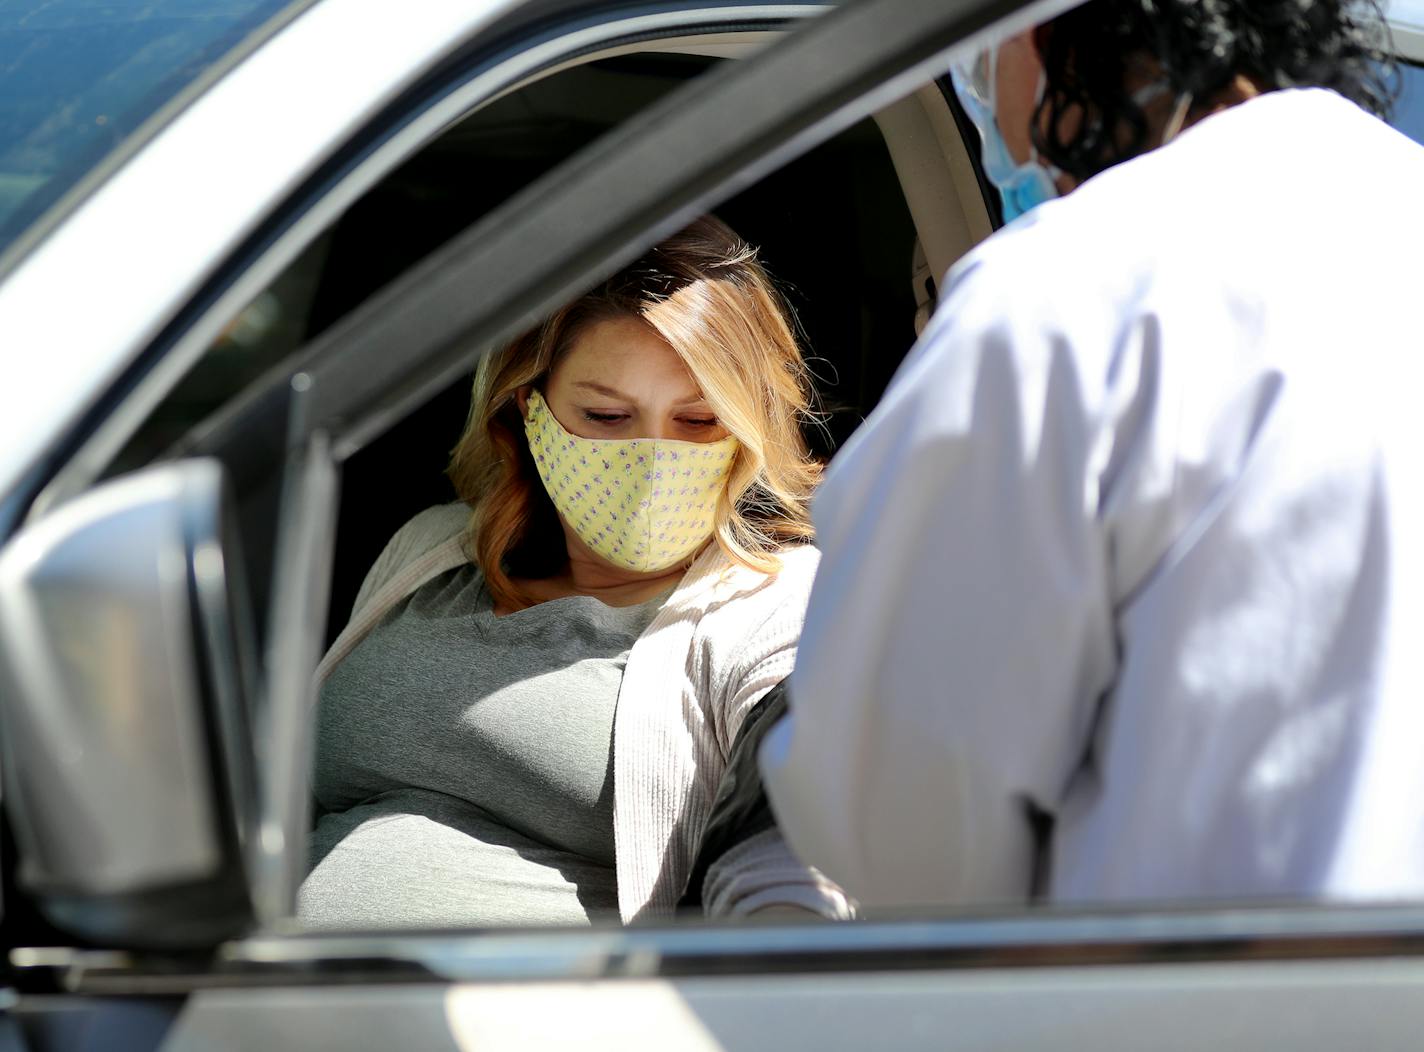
625 355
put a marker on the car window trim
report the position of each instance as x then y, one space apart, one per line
306 531
1059 938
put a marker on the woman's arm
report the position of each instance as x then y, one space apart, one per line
762 873
743 864
739 870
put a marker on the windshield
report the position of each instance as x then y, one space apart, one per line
77 77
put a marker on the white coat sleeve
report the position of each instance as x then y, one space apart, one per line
960 634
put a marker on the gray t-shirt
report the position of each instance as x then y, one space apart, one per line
464 764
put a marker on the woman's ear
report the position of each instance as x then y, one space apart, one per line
521 398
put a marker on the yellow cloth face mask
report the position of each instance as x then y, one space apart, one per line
644 504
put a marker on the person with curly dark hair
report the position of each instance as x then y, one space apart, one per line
1205 54
1123 582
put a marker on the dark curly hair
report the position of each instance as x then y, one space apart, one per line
1201 45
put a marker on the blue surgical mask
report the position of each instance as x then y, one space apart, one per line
1021 187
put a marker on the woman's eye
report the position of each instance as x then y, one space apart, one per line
710 421
604 418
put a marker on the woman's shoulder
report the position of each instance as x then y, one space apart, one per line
421 534
434 525
424 531
744 590
745 641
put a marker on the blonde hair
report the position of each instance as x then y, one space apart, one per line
704 292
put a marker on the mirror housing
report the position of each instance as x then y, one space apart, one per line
127 674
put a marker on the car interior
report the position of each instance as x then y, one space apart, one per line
832 226
853 231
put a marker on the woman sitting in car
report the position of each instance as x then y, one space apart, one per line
528 716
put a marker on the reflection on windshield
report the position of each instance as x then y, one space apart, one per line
78 76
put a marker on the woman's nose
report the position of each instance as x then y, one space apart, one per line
660 427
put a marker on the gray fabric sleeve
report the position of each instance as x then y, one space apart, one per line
762 871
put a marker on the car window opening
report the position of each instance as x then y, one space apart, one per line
833 227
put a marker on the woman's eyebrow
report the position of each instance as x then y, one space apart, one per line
613 392
602 389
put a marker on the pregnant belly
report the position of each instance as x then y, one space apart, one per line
421 860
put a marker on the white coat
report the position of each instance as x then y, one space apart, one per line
1136 540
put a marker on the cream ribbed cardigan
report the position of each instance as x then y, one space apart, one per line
725 637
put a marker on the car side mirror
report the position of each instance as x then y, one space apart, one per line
127 674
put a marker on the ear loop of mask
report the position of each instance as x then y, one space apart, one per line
1038 175
1178 118
1039 94
1023 185
1144 97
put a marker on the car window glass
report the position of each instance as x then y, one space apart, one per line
78 77
1408 114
